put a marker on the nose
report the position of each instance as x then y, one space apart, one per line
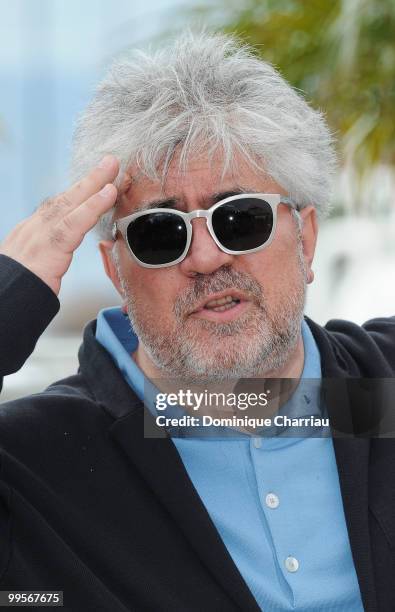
204 256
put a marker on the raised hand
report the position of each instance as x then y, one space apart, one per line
45 242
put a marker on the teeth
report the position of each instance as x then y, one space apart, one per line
225 300
225 307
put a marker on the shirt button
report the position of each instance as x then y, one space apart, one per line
257 442
292 564
272 500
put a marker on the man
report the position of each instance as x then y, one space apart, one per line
217 169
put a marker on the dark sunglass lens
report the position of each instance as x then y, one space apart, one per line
157 238
243 224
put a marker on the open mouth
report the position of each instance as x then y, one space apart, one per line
224 307
225 303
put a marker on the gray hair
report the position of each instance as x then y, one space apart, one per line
204 93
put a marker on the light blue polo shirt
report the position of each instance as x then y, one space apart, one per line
275 501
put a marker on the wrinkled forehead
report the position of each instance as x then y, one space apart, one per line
198 181
199 168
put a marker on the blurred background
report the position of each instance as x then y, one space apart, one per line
341 54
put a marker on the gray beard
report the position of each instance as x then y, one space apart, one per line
257 343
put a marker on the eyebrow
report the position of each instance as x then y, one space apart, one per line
174 202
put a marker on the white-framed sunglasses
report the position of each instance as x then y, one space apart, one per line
239 224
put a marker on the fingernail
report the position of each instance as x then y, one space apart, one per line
106 191
106 162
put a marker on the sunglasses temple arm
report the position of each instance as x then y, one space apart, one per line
114 231
290 203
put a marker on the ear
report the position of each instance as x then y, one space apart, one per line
106 252
309 238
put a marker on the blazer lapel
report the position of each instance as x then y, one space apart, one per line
347 411
160 465
352 457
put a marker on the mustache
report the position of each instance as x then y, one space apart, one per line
222 279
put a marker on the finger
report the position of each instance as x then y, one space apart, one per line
54 207
71 229
58 206
104 173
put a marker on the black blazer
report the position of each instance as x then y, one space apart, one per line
90 507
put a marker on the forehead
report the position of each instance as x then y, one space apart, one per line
196 184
